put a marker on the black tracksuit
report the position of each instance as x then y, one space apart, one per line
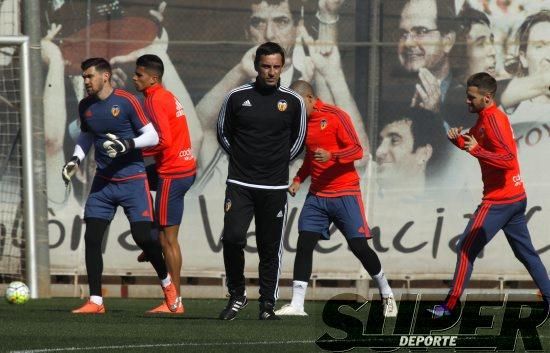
262 129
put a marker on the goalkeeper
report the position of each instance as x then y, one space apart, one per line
114 122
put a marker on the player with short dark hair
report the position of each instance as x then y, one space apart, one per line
114 122
262 127
491 141
332 147
175 163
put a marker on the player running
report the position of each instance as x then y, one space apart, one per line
491 141
334 196
175 163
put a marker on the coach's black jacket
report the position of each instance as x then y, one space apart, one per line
262 129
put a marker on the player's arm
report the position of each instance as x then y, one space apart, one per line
157 110
224 124
148 136
347 136
83 144
501 136
303 173
299 128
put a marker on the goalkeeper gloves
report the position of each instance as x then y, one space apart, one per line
116 147
69 169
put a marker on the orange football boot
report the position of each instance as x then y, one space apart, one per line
171 297
163 309
90 308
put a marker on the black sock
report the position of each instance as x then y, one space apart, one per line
361 249
93 237
304 255
141 232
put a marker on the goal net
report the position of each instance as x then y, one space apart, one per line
12 245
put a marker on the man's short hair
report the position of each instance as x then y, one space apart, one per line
268 48
151 62
293 5
484 82
100 64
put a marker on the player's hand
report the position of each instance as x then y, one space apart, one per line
116 147
293 188
470 142
321 155
454 132
69 169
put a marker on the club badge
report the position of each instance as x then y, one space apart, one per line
227 205
324 124
282 105
115 110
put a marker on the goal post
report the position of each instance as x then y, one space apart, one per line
23 205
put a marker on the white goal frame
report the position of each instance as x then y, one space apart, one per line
29 230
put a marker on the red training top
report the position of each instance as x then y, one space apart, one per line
173 155
330 128
497 155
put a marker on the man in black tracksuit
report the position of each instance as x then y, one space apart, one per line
262 126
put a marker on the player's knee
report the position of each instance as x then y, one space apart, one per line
233 238
141 232
95 229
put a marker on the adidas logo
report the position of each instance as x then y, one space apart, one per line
280 214
247 103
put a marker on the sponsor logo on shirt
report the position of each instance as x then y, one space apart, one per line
186 154
246 103
115 110
324 124
280 214
179 109
517 180
282 105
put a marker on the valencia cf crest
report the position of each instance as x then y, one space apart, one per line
324 124
115 110
227 205
282 105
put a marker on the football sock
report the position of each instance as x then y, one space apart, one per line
383 285
93 238
304 255
299 289
361 249
166 282
96 299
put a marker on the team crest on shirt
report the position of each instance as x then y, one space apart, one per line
227 206
115 110
324 124
88 113
282 105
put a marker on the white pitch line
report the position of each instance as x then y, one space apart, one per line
160 345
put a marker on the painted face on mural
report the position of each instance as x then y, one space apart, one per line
395 157
421 44
480 50
536 58
272 23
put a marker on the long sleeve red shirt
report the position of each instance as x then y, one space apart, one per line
497 154
173 155
330 128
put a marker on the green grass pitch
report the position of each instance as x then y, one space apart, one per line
47 325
